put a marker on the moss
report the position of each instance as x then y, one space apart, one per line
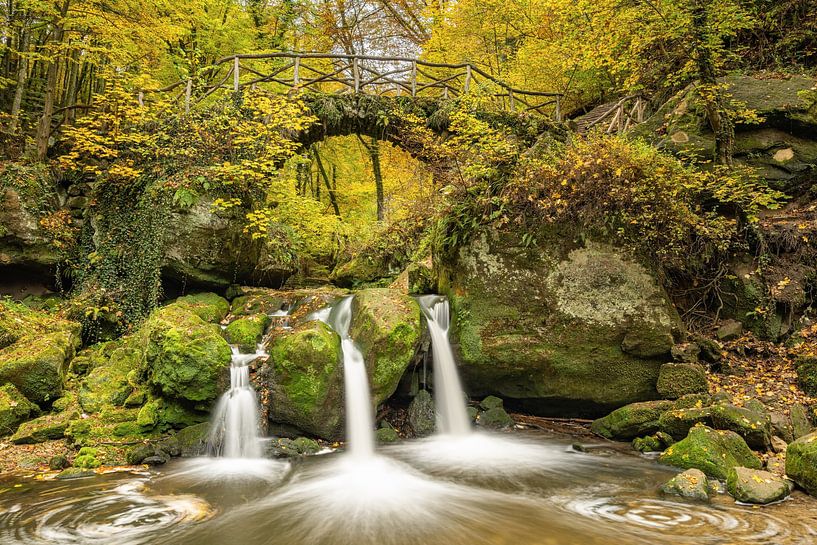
36 365
14 409
632 420
247 332
712 451
18 320
755 428
257 302
207 306
107 383
86 458
678 422
801 462
386 327
758 487
44 428
386 435
184 355
307 384
806 367
678 379
495 418
192 440
692 483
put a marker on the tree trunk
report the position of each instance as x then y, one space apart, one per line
374 155
44 128
22 76
329 189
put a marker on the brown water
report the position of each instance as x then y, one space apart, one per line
480 490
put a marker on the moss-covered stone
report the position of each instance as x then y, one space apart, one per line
107 383
192 440
653 443
18 320
386 435
753 427
631 421
257 301
307 385
74 473
678 422
496 418
421 414
44 428
679 379
36 364
800 423
547 325
491 402
712 451
57 462
86 458
14 409
801 462
184 355
247 332
358 270
806 367
207 306
386 327
691 484
755 486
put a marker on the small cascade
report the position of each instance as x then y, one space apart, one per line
452 415
359 411
234 431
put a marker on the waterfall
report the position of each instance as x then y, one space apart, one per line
359 411
448 393
234 430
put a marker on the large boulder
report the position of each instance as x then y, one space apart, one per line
305 380
14 409
679 379
754 427
714 452
107 384
633 420
801 462
562 327
246 332
210 248
386 326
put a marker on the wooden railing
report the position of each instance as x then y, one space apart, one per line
343 74
627 112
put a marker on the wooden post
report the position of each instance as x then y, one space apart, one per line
413 78
296 77
445 91
141 98
467 78
187 94
236 74
558 108
356 74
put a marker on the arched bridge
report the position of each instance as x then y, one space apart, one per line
338 74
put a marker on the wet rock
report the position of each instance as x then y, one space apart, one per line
678 422
806 367
712 451
491 402
729 330
139 453
44 428
801 462
192 440
387 435
421 414
753 427
776 465
545 326
631 421
678 379
495 418
74 473
155 460
691 484
291 448
756 486
57 462
257 301
649 443
14 409
247 332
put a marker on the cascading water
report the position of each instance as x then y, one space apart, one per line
359 412
234 431
448 393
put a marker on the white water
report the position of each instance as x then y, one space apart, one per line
452 417
359 411
234 431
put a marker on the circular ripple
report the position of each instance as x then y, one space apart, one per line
125 515
665 517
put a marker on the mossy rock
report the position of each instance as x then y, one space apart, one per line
358 270
192 440
185 356
631 421
678 379
207 306
547 325
386 435
247 332
653 443
421 415
37 365
14 409
495 418
678 422
806 367
257 302
755 428
714 452
386 326
800 423
491 402
691 484
44 428
307 385
801 462
755 486
86 458
17 320
163 414
107 383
